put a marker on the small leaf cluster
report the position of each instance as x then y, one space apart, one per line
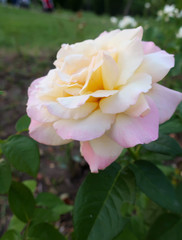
33 217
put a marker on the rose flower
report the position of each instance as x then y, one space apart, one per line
103 93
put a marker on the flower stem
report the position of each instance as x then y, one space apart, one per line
133 153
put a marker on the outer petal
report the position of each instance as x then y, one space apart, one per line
108 40
100 153
166 100
40 113
85 129
128 131
57 109
157 64
140 108
34 85
150 47
129 60
45 133
128 95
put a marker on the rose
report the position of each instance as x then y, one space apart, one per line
103 93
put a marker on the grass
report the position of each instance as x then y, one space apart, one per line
35 33
32 31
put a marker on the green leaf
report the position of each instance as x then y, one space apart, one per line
31 184
156 158
165 145
45 215
16 224
155 185
22 124
51 208
52 201
11 235
171 126
23 153
21 201
45 231
126 234
5 176
166 227
97 210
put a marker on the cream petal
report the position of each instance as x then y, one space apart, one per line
129 131
45 133
103 93
85 129
110 72
73 102
129 60
128 95
118 38
100 153
84 110
157 64
87 48
74 63
165 99
94 79
77 101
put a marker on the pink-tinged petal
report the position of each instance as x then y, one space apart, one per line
100 153
129 131
45 133
110 72
140 108
129 60
34 85
157 65
57 109
166 100
150 47
40 113
128 95
85 129
73 102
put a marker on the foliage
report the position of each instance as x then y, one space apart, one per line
118 202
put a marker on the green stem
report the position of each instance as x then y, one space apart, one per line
133 153
26 230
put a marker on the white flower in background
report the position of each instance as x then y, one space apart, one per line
114 20
179 33
169 11
179 15
147 5
127 21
